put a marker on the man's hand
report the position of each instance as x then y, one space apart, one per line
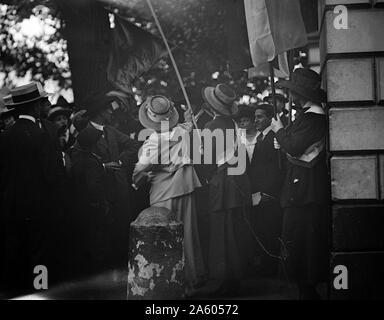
276 125
114 166
276 145
256 198
150 176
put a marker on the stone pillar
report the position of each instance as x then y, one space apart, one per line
156 257
352 67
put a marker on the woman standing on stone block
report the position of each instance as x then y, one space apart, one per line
165 162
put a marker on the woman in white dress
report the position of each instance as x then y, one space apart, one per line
165 162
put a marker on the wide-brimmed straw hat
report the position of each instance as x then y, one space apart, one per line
221 98
24 94
157 109
305 82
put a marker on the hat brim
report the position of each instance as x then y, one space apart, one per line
62 111
7 112
209 97
150 124
278 96
95 109
16 104
315 95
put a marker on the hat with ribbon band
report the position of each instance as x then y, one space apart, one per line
24 94
221 99
157 109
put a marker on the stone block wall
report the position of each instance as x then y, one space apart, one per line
352 68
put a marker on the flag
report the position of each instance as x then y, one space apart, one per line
280 65
134 52
274 27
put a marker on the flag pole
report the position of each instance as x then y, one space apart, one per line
173 63
290 67
272 75
177 73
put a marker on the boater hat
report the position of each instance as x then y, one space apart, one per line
156 109
221 98
305 82
26 93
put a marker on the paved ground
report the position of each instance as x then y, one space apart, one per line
113 286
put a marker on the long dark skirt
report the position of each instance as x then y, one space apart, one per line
305 238
229 244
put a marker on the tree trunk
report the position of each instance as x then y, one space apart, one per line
88 38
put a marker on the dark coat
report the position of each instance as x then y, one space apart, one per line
263 169
115 146
89 181
305 197
31 176
229 203
32 170
302 185
90 220
225 191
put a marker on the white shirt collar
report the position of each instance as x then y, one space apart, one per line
97 126
28 117
313 108
265 132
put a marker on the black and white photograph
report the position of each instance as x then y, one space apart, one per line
200 152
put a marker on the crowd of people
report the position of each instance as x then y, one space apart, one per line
73 179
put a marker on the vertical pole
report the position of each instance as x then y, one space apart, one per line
291 67
272 74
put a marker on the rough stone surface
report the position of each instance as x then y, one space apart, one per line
350 80
380 79
354 178
353 129
364 33
156 259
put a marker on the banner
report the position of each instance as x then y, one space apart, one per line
134 52
274 27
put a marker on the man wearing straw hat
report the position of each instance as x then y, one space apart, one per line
31 171
305 194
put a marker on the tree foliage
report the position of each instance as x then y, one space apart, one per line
42 53
196 29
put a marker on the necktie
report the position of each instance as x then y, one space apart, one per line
259 137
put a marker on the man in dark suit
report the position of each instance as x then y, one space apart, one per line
118 153
90 239
31 171
305 195
266 179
